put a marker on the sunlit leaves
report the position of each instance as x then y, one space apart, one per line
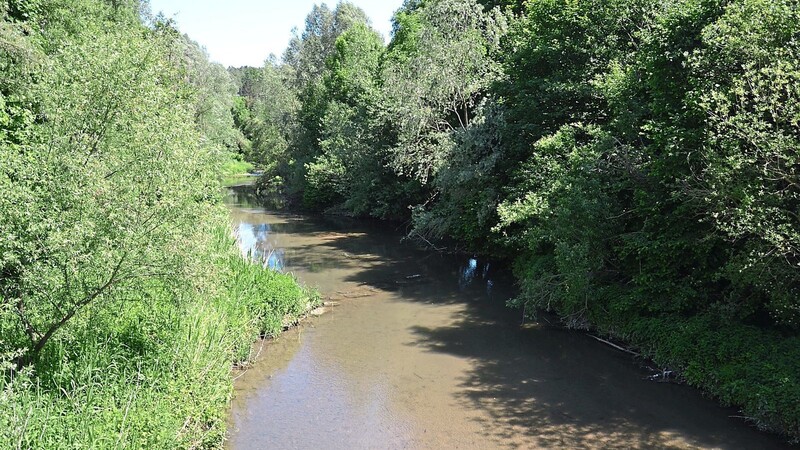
747 82
438 67
105 184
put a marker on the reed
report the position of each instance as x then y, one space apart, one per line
151 369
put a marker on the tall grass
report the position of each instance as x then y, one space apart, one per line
151 369
232 165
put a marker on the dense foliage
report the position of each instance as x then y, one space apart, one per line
123 299
638 160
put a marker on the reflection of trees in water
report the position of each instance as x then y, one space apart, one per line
245 196
275 260
254 242
468 273
242 196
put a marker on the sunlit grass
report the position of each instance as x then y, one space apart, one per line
234 166
152 370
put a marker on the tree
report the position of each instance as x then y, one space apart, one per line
307 55
437 68
103 176
308 52
746 84
269 123
213 97
354 158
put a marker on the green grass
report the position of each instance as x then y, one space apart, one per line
233 166
150 369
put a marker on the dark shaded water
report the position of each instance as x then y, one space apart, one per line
422 353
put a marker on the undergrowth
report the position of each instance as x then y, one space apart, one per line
151 369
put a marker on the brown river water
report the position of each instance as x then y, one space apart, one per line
422 353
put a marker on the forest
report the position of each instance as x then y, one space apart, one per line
636 160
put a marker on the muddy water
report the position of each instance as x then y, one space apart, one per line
421 353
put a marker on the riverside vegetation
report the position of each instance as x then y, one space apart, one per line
637 159
124 300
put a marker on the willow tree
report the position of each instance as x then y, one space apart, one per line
437 69
103 177
213 92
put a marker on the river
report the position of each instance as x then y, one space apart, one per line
421 352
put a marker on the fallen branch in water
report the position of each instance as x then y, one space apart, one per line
430 244
664 375
620 348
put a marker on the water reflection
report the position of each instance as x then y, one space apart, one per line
254 242
421 352
244 195
468 274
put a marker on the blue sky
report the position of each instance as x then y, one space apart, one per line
245 32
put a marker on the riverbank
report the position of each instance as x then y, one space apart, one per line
636 161
124 300
422 352
741 366
154 371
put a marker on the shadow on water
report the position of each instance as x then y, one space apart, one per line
535 385
557 387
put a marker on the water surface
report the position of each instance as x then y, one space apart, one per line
422 353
